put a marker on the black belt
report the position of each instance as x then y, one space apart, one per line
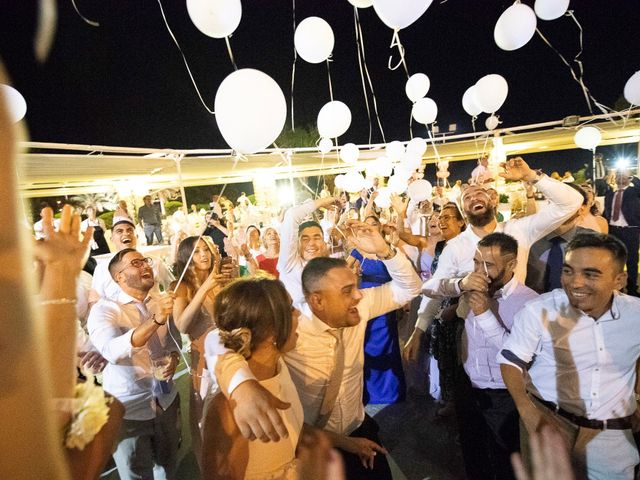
623 423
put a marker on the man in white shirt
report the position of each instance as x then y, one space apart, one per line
571 359
487 416
123 235
132 334
327 362
456 259
300 241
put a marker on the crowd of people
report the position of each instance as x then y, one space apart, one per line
288 328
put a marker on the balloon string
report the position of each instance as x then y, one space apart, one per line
360 38
395 42
293 66
329 77
233 62
364 87
184 60
86 20
433 144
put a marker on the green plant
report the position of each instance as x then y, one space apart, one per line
172 206
108 219
504 198
304 136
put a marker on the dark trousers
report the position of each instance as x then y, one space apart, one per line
489 430
630 236
352 464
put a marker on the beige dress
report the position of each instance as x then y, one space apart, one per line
276 460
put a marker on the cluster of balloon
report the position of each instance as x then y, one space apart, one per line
632 89
588 138
383 199
424 109
314 40
487 95
443 172
250 110
334 118
16 104
380 167
517 24
398 15
353 182
215 18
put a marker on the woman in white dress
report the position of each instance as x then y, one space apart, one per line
256 318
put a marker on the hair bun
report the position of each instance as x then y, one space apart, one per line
238 340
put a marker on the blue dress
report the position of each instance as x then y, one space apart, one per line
383 375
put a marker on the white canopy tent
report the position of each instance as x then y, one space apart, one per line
49 169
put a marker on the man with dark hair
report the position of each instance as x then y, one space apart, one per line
622 210
327 363
150 220
487 416
300 241
545 261
571 358
132 333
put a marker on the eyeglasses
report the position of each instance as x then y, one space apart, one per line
446 218
139 263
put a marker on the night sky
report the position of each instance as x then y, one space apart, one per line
124 83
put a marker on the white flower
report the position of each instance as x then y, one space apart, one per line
90 414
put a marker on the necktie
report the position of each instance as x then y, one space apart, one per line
554 265
333 387
617 204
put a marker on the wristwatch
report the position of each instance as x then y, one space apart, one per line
390 255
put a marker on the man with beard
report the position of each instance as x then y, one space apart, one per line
131 332
571 359
487 416
123 235
456 259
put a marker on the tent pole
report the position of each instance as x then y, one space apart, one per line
178 159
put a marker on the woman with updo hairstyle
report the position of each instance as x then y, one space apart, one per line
193 315
256 318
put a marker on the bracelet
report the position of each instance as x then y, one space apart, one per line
59 301
153 317
531 196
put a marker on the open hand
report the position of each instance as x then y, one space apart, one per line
365 449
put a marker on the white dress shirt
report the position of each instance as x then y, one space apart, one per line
290 263
484 334
103 285
129 373
311 361
586 366
456 260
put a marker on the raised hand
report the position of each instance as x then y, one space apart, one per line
366 238
516 169
398 204
474 281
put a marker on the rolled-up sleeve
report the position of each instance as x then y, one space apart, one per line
106 335
522 343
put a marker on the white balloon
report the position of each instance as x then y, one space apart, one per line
334 118
384 166
325 145
411 161
368 184
417 86
469 102
383 200
550 9
215 18
399 15
361 3
419 190
632 89
353 182
394 150
339 181
417 146
491 92
425 111
515 27
250 110
314 39
16 104
397 184
349 153
587 138
492 122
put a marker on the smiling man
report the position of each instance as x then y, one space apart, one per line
571 359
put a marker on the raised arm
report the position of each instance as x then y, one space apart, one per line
184 311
